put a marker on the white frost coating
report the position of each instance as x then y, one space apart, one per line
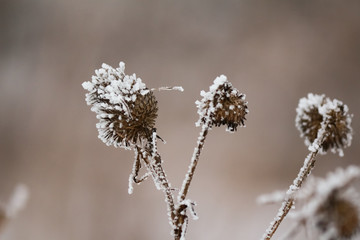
176 88
327 108
338 107
183 231
194 158
131 182
17 201
293 189
110 89
208 97
273 197
306 104
191 206
322 188
206 107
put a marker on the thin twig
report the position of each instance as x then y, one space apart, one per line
181 217
193 163
152 159
289 201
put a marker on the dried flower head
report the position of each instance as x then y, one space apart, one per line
330 205
222 105
337 218
317 110
126 109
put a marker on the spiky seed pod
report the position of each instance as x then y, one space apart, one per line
316 110
339 126
308 119
222 105
126 109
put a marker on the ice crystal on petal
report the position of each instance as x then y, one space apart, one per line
126 109
222 105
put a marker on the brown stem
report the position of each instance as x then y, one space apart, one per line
289 202
304 172
193 163
158 174
181 218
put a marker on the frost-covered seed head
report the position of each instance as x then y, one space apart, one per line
313 110
340 214
308 118
331 205
222 105
126 109
338 127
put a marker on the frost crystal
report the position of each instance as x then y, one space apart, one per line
320 117
126 109
222 105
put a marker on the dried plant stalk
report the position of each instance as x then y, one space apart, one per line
325 124
194 162
286 206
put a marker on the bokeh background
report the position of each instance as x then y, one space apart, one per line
273 51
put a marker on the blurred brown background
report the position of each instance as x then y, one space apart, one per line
274 51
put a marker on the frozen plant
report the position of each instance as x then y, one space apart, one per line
326 125
330 208
127 111
221 105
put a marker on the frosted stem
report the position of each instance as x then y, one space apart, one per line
193 163
304 172
152 160
181 218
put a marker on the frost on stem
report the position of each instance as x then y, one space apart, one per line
315 110
133 178
126 109
325 124
222 105
330 207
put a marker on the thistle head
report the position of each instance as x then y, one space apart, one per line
330 204
126 109
317 111
338 217
222 105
